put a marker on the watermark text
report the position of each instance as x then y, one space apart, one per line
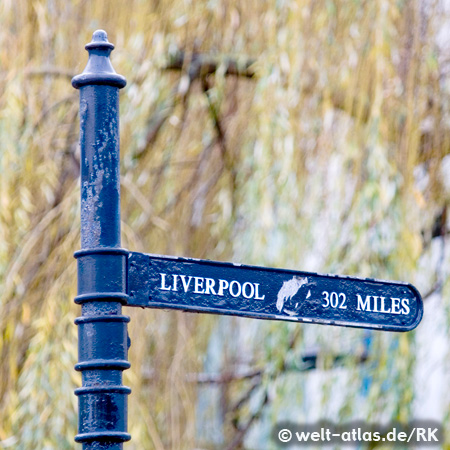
289 434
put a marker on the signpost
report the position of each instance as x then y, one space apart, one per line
102 329
110 277
194 285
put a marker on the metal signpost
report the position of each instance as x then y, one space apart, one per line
224 288
110 277
102 264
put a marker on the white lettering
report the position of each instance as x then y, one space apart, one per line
333 299
303 436
342 305
199 285
315 436
223 284
395 305
405 306
383 310
163 283
431 434
252 290
421 432
236 283
257 297
326 298
367 436
363 306
375 303
185 285
346 436
209 286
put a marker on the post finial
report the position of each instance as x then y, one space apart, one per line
99 69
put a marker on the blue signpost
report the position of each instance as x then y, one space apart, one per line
187 284
110 277
102 264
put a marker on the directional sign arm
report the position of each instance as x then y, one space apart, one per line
156 281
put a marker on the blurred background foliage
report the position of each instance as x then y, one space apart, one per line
308 134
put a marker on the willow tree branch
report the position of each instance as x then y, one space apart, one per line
221 378
196 67
201 65
240 435
49 71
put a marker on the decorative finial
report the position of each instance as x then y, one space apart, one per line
99 69
99 40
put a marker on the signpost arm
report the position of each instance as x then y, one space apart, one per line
102 263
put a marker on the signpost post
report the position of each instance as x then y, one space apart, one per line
102 264
109 276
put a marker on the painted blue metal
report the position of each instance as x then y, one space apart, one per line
102 263
156 281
